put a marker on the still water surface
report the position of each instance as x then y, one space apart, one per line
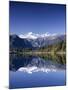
37 71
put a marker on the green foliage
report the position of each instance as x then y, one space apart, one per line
60 46
56 47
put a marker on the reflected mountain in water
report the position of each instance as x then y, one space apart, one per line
32 64
30 70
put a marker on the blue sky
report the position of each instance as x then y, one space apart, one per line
36 18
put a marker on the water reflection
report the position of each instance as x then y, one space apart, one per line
44 63
37 71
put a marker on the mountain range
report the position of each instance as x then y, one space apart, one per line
16 42
31 40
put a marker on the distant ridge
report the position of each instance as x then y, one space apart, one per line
34 42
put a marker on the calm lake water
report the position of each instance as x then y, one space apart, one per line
37 71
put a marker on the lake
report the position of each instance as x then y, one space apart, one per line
28 71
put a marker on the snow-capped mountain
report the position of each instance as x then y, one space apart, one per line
39 40
32 40
31 35
16 42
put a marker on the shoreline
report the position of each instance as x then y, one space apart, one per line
37 52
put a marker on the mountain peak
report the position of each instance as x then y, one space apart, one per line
31 35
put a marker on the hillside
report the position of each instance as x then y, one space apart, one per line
47 44
57 47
